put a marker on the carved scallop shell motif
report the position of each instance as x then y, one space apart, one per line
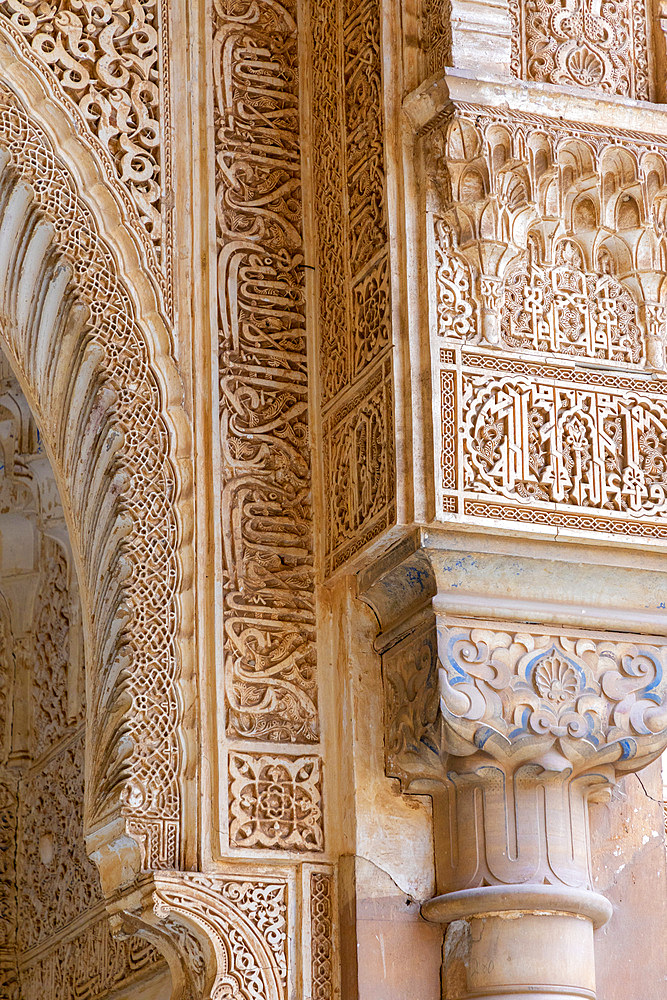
555 678
585 66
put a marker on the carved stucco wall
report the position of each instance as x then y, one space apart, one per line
304 261
354 316
56 939
553 255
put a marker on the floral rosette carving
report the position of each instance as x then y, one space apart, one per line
563 700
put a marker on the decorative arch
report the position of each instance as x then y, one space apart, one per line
81 323
222 936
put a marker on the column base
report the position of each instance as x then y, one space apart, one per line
516 941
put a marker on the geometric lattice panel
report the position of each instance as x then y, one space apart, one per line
549 444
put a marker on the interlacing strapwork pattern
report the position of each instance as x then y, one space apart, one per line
266 504
124 486
230 933
555 327
600 45
354 283
321 935
109 59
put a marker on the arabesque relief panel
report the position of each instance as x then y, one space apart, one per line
274 800
354 287
583 43
108 64
548 326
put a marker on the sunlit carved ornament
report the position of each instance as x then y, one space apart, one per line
581 43
275 802
118 470
596 701
548 264
268 587
322 929
223 936
106 63
354 330
535 725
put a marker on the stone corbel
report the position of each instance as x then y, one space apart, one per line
400 592
223 937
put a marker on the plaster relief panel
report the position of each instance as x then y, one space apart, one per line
275 802
548 326
263 379
108 63
583 43
354 294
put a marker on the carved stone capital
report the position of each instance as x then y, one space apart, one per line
223 936
537 724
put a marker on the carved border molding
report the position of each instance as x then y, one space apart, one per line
322 936
93 359
222 935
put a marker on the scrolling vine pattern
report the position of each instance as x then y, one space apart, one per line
109 59
352 235
599 45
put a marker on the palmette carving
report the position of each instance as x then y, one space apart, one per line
411 693
275 802
108 59
602 46
266 515
594 699
537 724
